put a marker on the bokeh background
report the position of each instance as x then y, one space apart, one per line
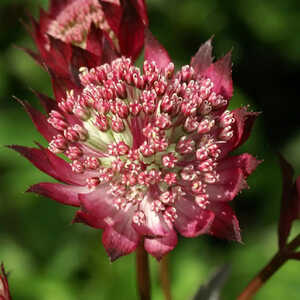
48 258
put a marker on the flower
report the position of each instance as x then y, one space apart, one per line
148 150
4 288
77 33
84 22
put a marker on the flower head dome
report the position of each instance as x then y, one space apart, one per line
148 150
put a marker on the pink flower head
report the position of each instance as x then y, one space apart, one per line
104 30
75 33
4 288
148 150
84 22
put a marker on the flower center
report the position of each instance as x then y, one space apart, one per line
73 23
152 136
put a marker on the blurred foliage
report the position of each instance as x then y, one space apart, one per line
50 259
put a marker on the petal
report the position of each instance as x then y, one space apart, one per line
61 85
116 2
98 208
249 119
47 102
38 36
155 225
159 247
220 74
58 56
242 127
225 224
40 121
36 57
65 194
81 58
50 104
230 183
44 21
154 51
113 14
94 38
108 52
120 239
203 58
85 218
131 32
192 220
51 164
56 6
246 162
290 201
140 7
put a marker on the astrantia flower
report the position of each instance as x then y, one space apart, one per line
77 33
4 288
148 150
85 23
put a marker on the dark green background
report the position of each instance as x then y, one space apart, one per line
51 260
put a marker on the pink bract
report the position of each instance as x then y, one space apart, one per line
149 150
4 288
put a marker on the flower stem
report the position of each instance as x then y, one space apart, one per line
143 273
164 277
275 263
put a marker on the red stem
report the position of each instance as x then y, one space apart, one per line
276 262
143 273
164 277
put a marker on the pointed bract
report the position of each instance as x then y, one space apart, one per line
131 32
220 73
65 194
290 201
141 8
51 164
154 51
225 224
159 247
40 121
192 220
120 239
203 58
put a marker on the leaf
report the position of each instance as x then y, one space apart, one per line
211 290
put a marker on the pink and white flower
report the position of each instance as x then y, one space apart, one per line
84 23
76 33
148 149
